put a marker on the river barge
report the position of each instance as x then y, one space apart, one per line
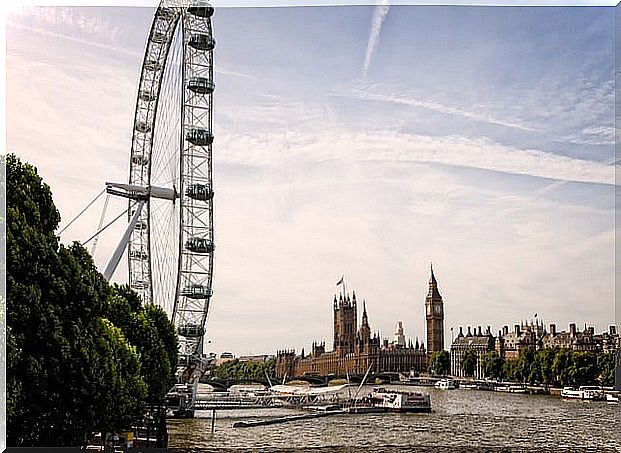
383 400
585 393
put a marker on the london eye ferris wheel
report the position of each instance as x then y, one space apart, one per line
169 239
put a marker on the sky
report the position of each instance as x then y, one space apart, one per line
364 141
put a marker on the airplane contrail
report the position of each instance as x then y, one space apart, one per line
381 10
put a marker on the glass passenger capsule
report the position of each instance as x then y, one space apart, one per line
199 137
201 9
199 192
146 96
153 65
139 284
196 292
201 85
140 160
138 254
199 245
191 330
143 126
159 38
201 41
166 13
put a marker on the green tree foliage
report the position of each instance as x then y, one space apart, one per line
55 299
526 368
247 370
583 369
558 367
149 329
510 370
561 367
545 362
71 370
440 362
492 365
469 361
606 366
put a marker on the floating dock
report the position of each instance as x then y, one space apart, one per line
288 418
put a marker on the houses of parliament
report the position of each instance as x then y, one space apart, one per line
356 349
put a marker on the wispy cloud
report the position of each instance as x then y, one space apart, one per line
379 15
366 92
63 36
593 135
480 153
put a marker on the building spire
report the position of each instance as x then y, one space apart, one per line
433 287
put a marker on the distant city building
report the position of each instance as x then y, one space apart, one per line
480 342
356 349
510 345
586 340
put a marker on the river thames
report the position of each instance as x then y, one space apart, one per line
461 420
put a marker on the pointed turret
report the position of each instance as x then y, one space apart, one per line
365 329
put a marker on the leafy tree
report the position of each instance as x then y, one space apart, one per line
545 363
153 335
492 365
469 361
67 364
510 370
246 370
606 367
561 366
527 369
440 362
583 370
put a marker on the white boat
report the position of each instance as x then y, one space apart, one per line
399 401
588 393
612 399
446 384
511 388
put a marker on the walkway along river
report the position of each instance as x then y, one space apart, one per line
462 420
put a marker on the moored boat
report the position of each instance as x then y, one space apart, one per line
587 393
399 401
612 399
446 384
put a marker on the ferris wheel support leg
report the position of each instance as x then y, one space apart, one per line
116 256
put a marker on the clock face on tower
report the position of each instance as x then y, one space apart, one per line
428 310
437 309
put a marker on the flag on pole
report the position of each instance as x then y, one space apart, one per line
340 281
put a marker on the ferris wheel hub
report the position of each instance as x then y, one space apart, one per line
139 193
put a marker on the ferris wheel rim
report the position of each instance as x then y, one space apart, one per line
182 20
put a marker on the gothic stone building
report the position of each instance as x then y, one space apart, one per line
482 343
510 345
356 349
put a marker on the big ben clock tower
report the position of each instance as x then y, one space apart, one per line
434 311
